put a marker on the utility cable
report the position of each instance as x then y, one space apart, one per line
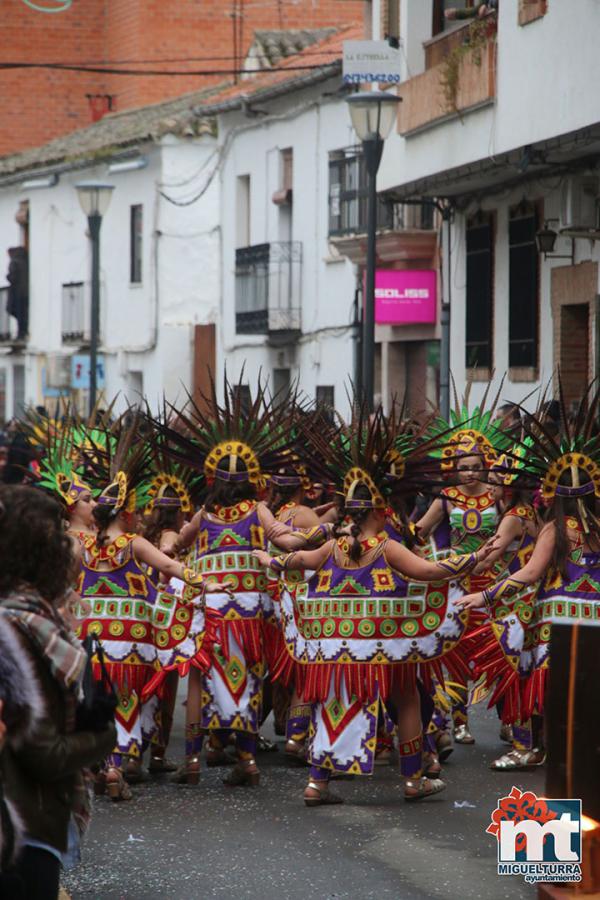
102 70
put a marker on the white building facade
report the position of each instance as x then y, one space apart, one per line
288 300
500 120
159 265
215 250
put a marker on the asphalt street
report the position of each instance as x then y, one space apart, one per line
177 842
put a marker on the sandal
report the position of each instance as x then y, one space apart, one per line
506 733
462 735
431 765
134 773
188 772
295 751
158 765
423 787
245 774
443 744
324 796
519 759
116 786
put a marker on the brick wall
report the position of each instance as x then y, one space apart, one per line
38 104
41 104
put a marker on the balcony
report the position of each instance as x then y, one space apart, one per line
460 77
405 233
75 323
8 324
267 290
348 194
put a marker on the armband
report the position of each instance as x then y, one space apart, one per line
315 536
191 577
505 589
279 563
457 565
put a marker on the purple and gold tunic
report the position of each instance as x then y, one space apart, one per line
362 621
232 689
352 628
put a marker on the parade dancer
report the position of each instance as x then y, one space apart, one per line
565 563
232 447
122 595
464 516
368 623
288 490
182 633
515 539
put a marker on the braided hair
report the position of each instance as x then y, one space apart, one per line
358 517
104 515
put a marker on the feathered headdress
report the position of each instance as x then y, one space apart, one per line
295 469
470 432
58 472
373 455
121 464
567 464
171 484
241 440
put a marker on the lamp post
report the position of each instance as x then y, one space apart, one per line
94 198
373 114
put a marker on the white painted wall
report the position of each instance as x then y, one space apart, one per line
546 76
312 127
146 328
547 72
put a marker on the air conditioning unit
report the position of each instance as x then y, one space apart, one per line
58 371
579 204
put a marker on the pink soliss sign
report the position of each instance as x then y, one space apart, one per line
405 297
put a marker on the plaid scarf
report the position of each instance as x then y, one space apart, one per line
43 626
66 659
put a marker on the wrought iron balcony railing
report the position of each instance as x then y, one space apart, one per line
268 288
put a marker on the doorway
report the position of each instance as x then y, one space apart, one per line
574 351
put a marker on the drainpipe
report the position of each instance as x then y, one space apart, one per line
446 212
357 337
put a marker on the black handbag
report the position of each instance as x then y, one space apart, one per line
97 708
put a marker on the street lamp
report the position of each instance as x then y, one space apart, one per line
94 198
373 114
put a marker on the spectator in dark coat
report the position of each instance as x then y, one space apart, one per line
40 765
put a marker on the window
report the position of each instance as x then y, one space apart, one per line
135 243
348 194
287 169
283 197
440 22
480 291
325 397
281 383
390 21
523 287
530 10
242 209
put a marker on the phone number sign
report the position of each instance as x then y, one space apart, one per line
370 62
